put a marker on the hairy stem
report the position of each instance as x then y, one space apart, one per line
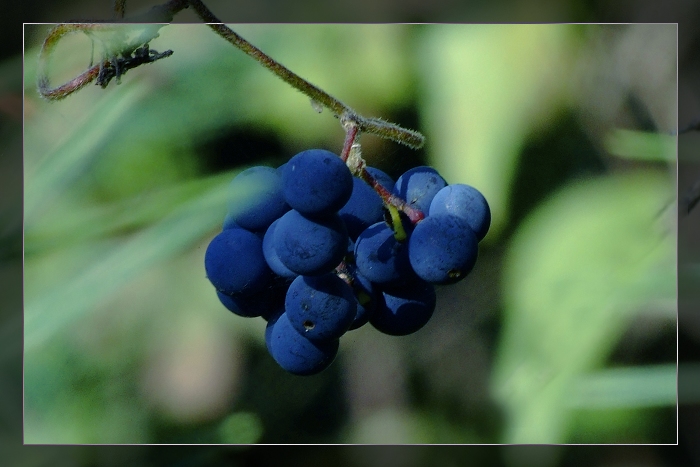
351 133
315 93
414 215
164 14
352 156
376 126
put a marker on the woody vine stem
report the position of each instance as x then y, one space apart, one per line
134 51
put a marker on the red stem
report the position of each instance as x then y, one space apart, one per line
414 215
350 135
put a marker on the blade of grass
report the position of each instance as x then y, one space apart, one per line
58 170
56 309
642 146
645 386
72 223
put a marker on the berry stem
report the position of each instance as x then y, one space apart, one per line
352 156
414 215
375 126
343 272
351 134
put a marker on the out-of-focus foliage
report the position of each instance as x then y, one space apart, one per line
125 341
578 270
487 87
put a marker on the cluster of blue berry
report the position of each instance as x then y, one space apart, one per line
318 252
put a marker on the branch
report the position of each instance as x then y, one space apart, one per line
375 126
118 61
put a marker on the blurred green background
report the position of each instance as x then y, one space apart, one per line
565 332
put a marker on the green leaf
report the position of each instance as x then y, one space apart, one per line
639 145
486 88
575 273
52 310
73 221
48 175
646 386
241 428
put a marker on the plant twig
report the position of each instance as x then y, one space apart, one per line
351 134
375 126
352 156
164 14
414 215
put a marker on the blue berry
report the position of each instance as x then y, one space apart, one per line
271 320
294 352
316 182
404 310
263 303
246 309
229 222
418 186
310 246
271 256
320 307
380 257
256 198
234 262
464 201
442 249
365 206
315 254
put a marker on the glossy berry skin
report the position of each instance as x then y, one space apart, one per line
464 201
380 257
310 246
294 352
320 307
271 256
404 310
256 198
365 206
316 182
235 264
443 249
418 186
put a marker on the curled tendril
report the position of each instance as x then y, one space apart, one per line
121 52
47 48
104 71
